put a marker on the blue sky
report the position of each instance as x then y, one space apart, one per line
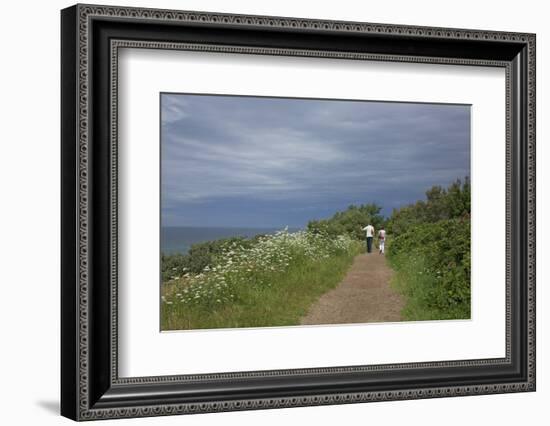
233 161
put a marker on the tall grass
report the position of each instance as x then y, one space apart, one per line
432 264
414 280
429 248
271 282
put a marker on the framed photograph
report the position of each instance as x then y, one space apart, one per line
263 212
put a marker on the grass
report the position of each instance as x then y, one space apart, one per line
272 283
420 288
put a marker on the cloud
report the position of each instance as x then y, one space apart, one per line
301 153
173 109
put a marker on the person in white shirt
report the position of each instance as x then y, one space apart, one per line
370 235
381 240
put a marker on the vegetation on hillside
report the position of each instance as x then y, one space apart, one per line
429 248
349 222
270 280
199 256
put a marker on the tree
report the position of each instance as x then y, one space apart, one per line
440 204
350 221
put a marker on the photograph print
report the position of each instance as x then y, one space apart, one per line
298 212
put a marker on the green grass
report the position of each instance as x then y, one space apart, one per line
281 300
422 289
429 248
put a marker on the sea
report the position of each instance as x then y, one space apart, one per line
180 239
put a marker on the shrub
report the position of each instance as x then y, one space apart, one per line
433 268
244 263
200 255
440 204
349 222
429 248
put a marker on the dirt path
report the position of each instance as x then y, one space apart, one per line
364 295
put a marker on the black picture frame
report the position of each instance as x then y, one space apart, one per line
90 386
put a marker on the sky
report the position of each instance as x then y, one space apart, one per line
235 161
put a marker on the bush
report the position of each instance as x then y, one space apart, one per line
199 257
266 281
429 247
349 222
440 204
432 262
235 262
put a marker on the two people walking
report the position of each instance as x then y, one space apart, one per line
370 236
